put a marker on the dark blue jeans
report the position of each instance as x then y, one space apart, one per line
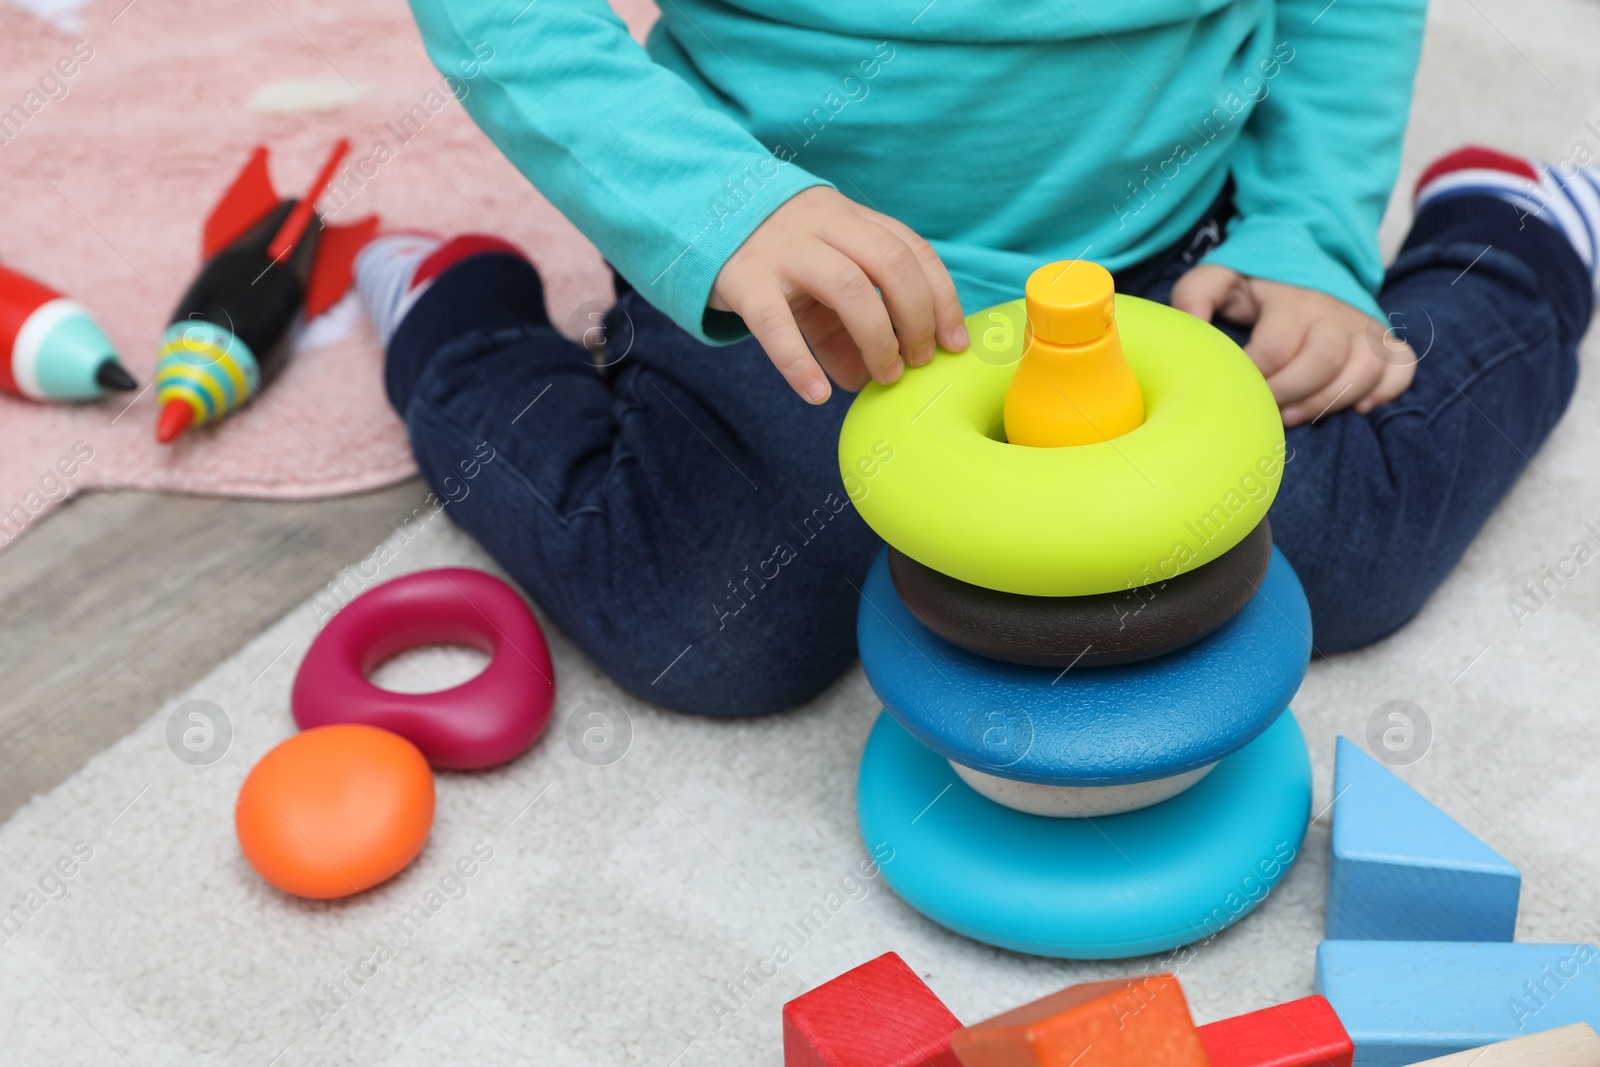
680 515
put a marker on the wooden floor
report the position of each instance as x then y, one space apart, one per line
119 601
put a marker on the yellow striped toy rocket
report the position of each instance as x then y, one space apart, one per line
267 261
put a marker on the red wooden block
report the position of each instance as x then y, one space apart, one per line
1302 1033
878 1015
1126 1022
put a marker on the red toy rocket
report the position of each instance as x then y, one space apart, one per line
267 261
50 348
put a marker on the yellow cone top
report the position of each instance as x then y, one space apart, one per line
1072 386
1071 302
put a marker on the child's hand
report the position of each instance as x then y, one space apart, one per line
1317 353
812 272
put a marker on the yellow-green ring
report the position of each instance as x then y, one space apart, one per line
925 462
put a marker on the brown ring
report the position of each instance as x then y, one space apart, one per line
1086 631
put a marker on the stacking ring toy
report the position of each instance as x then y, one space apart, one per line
335 810
1086 631
1109 888
1098 727
481 722
927 466
1078 801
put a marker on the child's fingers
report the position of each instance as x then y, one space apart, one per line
1320 359
891 265
768 317
1396 379
1200 291
1277 339
829 276
1209 289
950 325
1359 376
832 344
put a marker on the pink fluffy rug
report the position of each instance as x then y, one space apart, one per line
108 174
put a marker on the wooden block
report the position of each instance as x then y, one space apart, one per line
878 1015
1570 1046
1407 1001
1301 1033
1403 870
1127 1022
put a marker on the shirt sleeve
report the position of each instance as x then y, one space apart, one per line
1318 158
666 186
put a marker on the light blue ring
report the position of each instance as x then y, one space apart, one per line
1105 888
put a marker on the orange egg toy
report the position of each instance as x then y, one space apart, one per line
335 810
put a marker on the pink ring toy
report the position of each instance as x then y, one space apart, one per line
486 720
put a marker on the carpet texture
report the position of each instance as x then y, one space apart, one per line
109 173
613 911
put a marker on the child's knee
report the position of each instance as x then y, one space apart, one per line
1353 617
725 678
452 460
722 656
1358 598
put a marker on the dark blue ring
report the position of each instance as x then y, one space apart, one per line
1090 726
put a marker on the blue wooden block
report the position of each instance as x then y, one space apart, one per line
1403 870
1405 1001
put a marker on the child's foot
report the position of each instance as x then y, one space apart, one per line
395 269
1568 202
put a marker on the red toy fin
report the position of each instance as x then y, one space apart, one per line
335 265
247 200
294 227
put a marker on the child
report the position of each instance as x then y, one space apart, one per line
841 180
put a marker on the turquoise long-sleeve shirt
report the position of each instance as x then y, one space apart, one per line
1007 134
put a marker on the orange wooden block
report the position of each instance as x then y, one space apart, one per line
878 1015
1301 1033
1126 1022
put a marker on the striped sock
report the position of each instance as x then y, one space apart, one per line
394 270
385 272
1568 202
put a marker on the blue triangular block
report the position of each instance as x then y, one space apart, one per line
1403 870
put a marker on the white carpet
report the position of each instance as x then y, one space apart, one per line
619 902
